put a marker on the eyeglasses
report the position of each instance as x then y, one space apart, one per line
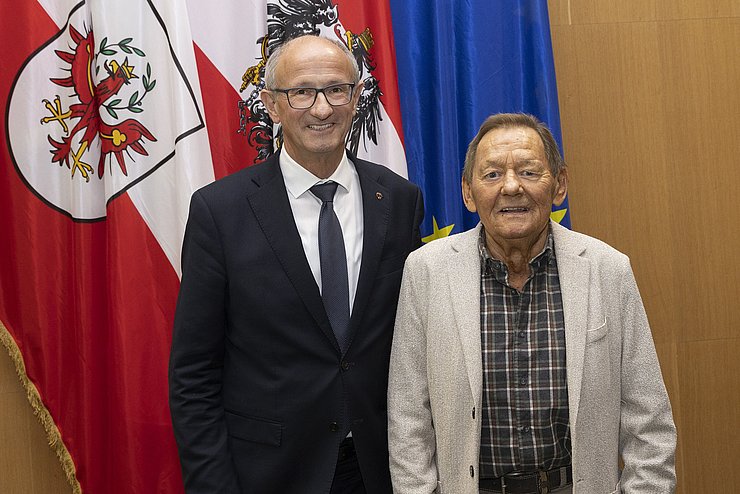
302 98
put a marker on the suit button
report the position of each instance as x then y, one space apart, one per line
333 426
345 365
472 471
473 412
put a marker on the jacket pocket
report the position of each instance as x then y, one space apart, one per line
593 335
254 429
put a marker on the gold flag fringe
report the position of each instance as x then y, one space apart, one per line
40 410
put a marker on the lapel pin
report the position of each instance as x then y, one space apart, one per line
378 195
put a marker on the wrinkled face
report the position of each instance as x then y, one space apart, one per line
316 134
512 188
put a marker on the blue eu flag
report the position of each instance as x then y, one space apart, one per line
458 63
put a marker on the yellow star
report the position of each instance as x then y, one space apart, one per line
438 233
557 216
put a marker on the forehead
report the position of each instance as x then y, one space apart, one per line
516 143
313 61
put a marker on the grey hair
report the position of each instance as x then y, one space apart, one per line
274 59
508 120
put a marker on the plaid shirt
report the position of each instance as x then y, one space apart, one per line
525 424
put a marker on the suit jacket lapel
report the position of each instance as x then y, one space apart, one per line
376 206
581 308
269 202
463 274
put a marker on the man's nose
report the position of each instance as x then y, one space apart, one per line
321 107
511 182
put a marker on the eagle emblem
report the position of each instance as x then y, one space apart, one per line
81 125
115 138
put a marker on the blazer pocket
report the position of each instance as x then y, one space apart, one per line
593 335
254 429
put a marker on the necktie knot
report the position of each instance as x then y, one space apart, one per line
325 191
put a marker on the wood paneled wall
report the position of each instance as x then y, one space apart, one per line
27 463
650 107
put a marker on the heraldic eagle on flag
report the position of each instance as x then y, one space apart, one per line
114 138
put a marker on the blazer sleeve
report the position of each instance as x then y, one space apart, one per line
196 358
411 439
647 433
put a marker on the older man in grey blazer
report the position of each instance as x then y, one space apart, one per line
522 358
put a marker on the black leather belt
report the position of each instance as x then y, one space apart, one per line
529 483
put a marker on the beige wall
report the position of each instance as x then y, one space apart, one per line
650 105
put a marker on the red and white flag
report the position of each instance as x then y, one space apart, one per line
115 112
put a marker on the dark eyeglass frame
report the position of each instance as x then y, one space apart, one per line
317 90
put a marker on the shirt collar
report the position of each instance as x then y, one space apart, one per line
298 180
491 265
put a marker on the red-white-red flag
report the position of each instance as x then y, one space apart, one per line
115 112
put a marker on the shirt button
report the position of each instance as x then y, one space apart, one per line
522 334
523 428
523 381
333 426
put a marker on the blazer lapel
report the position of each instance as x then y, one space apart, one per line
269 202
463 275
376 206
581 308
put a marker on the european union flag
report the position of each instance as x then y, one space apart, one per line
458 63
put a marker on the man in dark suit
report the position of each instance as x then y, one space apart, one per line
280 351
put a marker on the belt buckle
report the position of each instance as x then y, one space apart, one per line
543 483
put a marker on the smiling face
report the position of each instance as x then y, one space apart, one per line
315 136
512 189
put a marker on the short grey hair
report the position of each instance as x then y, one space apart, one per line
514 120
274 59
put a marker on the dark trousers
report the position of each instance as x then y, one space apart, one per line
347 476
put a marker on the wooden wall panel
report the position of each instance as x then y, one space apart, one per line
650 109
703 82
612 96
710 389
610 11
559 13
27 463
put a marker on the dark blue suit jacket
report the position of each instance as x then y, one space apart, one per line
260 395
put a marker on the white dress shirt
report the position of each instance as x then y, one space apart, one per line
306 208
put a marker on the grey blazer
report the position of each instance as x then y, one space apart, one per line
617 400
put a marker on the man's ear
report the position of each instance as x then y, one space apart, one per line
468 197
267 99
562 187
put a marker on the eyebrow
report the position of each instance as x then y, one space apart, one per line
526 161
